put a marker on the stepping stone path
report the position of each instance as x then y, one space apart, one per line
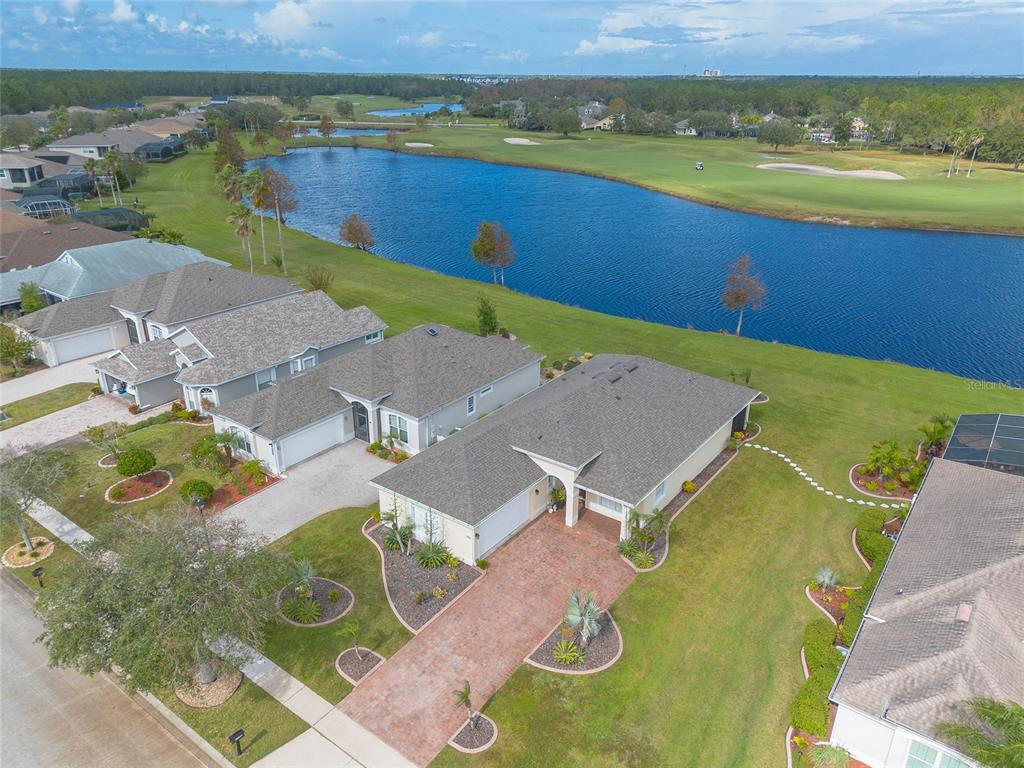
818 487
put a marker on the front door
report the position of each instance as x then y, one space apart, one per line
362 420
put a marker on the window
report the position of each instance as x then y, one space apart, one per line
308 362
948 761
207 400
398 428
294 366
265 378
486 391
659 492
245 443
156 332
921 756
372 338
3 173
471 405
606 503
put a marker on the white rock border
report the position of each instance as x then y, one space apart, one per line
477 750
170 482
349 680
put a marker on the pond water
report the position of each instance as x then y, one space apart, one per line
951 302
346 132
422 109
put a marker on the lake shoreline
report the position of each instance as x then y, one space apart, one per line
834 220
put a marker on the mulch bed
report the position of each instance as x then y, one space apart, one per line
232 493
32 367
700 480
860 482
892 527
404 579
477 738
213 695
354 669
141 487
601 650
108 461
18 555
321 589
761 398
837 598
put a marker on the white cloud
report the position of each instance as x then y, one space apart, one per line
123 13
288 19
614 44
159 22
70 7
515 55
183 26
429 39
40 15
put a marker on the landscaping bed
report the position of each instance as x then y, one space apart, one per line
353 668
874 485
476 739
406 581
891 528
833 600
19 556
140 487
108 462
332 610
600 653
212 694
234 492
8 372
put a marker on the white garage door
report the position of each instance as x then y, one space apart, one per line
509 518
83 345
309 442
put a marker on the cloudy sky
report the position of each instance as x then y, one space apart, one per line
848 37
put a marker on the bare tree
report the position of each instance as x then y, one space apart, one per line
743 288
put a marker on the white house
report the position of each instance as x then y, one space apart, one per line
945 624
616 433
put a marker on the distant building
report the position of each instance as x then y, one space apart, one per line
771 116
96 145
712 73
21 248
821 136
19 170
683 128
131 106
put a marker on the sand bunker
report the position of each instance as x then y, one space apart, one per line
523 142
820 170
417 144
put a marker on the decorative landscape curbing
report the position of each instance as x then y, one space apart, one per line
106 466
42 545
475 750
817 486
803 663
324 622
353 683
170 482
858 489
567 671
853 540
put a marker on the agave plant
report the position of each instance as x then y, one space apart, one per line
302 574
826 577
583 614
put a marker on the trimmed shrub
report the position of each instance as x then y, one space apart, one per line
819 649
809 709
482 564
421 597
689 487
117 493
304 610
870 540
857 604
196 490
161 418
440 592
177 406
252 471
133 409
433 554
135 461
333 596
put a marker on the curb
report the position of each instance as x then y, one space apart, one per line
853 540
807 591
349 680
476 750
314 625
564 671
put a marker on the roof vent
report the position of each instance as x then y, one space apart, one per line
963 612
632 366
614 377
432 331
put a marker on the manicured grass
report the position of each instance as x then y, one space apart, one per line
712 638
9 535
268 725
339 551
81 496
44 403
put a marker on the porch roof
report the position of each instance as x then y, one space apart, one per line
139 363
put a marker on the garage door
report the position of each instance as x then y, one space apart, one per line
83 345
509 518
309 442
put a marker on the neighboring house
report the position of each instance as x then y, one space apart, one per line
417 387
172 127
771 116
96 145
682 128
35 246
235 354
161 150
945 624
96 268
992 440
617 433
597 124
45 206
821 135
116 219
151 307
18 170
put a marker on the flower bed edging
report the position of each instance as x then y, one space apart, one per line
807 591
356 681
341 588
568 670
107 466
474 750
44 546
170 481
872 494
860 555
803 663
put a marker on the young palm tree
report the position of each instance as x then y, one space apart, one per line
254 184
91 167
111 164
998 742
350 633
240 218
582 614
230 180
463 698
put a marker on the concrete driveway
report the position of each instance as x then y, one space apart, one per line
69 422
48 378
333 479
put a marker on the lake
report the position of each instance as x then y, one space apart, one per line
422 109
952 302
346 132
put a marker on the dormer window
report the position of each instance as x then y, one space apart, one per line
373 338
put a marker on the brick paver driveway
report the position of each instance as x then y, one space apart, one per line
487 633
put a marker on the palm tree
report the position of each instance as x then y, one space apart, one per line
91 167
240 218
463 698
112 164
582 614
975 139
303 574
254 185
230 180
350 633
997 741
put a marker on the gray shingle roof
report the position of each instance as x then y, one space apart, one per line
420 372
257 337
962 545
36 246
126 139
640 418
140 362
303 399
70 316
197 290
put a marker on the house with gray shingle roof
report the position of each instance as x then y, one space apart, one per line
217 359
945 623
413 390
617 433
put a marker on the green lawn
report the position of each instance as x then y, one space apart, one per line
712 639
337 548
81 496
44 403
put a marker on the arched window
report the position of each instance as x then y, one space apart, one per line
207 399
